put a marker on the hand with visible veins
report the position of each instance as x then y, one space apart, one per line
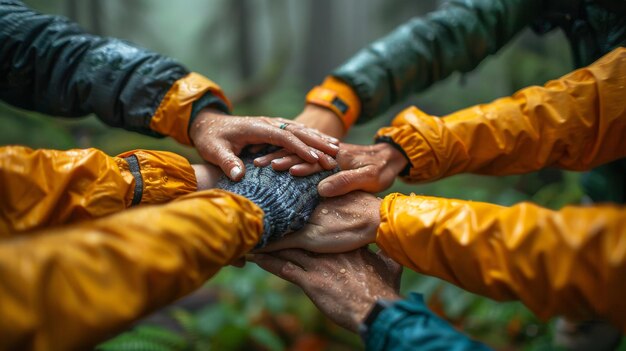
219 138
371 168
343 286
338 224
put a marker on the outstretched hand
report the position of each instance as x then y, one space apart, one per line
343 286
338 224
371 168
219 138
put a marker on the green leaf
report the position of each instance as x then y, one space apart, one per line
266 338
145 338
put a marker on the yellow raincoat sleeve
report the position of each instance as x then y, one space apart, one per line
71 287
176 111
48 187
576 122
570 262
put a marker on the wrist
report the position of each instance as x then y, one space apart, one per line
372 210
322 119
206 176
366 319
397 160
204 116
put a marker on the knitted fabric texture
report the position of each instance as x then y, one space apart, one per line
287 201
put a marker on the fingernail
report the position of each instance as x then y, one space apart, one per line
333 146
235 172
333 140
332 161
314 154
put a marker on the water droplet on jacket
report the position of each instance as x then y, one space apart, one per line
324 211
342 271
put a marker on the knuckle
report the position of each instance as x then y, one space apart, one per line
344 179
371 172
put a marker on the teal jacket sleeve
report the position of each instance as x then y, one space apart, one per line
51 65
410 325
457 37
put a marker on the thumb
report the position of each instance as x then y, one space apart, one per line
346 181
221 154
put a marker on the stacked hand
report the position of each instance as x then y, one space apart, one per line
371 168
219 138
343 286
337 225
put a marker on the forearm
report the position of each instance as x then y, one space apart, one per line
50 187
51 65
555 262
322 119
576 122
71 287
457 37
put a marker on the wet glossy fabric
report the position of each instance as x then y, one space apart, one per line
570 262
461 33
173 114
71 287
427 49
50 65
576 122
409 325
41 188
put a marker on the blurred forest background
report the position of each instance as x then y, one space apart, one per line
267 54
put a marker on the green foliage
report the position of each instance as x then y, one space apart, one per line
253 310
146 338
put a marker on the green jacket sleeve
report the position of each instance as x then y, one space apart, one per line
50 65
457 37
410 325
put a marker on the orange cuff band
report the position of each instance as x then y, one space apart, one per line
164 175
339 97
172 116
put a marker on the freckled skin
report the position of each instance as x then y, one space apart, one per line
219 138
337 225
371 168
343 286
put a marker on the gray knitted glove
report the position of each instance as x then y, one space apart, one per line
287 201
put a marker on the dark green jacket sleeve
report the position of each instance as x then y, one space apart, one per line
50 65
457 37
410 325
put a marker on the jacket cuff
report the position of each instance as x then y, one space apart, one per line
156 176
391 316
408 324
385 237
432 149
339 97
173 115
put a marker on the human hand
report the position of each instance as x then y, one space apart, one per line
371 168
219 138
343 286
337 225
